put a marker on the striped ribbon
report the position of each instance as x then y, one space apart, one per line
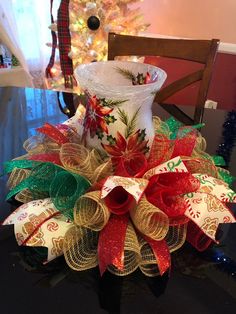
64 41
48 72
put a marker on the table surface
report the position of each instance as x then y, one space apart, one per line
198 283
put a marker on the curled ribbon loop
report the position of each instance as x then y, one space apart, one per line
91 212
39 144
197 238
176 236
65 189
80 160
119 201
148 264
80 248
150 220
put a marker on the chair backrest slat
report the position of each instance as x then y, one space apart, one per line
178 85
200 51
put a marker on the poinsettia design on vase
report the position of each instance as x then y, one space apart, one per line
128 155
98 115
115 103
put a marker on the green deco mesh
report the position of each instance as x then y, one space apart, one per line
62 186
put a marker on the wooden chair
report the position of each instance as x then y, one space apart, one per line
200 51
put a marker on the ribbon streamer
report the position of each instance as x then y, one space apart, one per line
48 72
162 254
53 133
111 243
64 41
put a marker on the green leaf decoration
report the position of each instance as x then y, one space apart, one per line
111 140
126 73
112 103
110 119
132 124
123 116
100 134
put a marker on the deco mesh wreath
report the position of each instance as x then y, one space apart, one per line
127 205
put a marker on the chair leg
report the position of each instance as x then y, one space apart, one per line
198 115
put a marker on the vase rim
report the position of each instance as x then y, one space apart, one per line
83 69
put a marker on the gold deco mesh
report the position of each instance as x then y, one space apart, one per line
80 248
160 126
103 171
91 212
150 220
40 144
201 143
80 160
199 165
131 254
176 236
76 158
24 196
17 175
160 152
148 264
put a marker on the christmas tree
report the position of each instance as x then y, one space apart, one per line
84 27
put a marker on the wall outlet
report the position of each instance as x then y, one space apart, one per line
211 104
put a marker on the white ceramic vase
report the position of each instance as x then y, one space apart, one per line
116 110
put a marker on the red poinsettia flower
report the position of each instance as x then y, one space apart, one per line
95 116
128 156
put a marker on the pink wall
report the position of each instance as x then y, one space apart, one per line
192 18
197 19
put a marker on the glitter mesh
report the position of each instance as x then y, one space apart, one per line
80 248
176 236
150 220
91 212
131 254
148 264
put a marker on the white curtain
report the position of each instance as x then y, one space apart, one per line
26 26
9 37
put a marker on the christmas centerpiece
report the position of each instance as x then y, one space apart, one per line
115 187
